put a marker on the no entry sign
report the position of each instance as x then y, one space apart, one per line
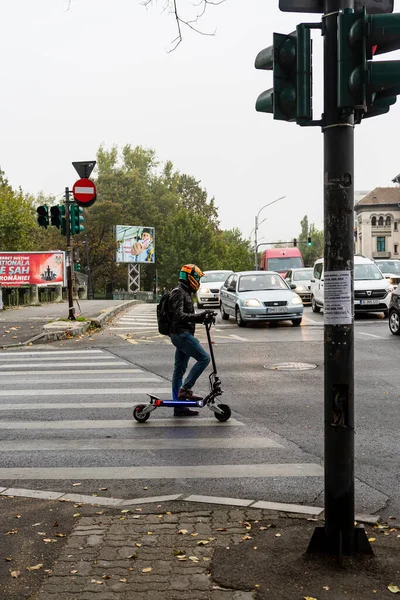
84 192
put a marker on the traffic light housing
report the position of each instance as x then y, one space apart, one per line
368 87
294 242
55 216
309 241
43 216
289 58
76 219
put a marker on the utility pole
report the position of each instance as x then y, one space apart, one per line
71 310
255 244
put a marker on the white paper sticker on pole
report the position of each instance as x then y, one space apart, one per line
338 299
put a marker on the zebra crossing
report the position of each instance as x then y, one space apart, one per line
75 423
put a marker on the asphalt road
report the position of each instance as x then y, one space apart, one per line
66 415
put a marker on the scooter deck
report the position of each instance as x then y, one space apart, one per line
178 403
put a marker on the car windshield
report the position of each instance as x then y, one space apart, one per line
389 266
210 277
284 263
253 283
367 271
303 275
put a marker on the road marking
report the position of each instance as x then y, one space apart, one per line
66 364
165 472
82 372
27 379
30 353
20 358
142 444
379 337
238 337
136 328
86 392
119 424
65 405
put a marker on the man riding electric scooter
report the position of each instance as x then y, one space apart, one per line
182 320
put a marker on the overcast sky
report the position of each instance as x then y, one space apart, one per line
100 73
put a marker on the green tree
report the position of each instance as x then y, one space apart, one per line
17 219
316 250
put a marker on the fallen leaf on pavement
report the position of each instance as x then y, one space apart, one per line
17 516
106 576
193 558
76 484
36 524
8 558
394 589
15 574
95 581
35 567
325 587
74 571
371 539
309 598
221 529
202 543
12 531
277 535
100 512
59 534
138 545
126 510
183 531
147 570
48 540
123 580
77 515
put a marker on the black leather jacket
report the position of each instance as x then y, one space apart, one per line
181 310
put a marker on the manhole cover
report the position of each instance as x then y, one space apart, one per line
291 366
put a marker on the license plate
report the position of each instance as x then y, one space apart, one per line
369 301
276 309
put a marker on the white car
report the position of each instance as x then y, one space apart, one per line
372 291
210 284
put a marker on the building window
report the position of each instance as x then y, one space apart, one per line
388 221
395 225
396 246
380 221
373 221
380 244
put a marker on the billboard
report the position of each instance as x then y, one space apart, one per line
135 244
32 268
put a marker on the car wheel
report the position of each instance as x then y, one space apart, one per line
296 322
224 315
394 322
314 305
239 318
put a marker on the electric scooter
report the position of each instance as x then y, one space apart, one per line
222 412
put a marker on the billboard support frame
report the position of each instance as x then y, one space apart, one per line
133 277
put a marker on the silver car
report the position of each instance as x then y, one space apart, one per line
252 296
208 292
300 282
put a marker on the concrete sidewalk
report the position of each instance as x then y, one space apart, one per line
49 322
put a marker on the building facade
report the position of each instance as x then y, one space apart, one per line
377 232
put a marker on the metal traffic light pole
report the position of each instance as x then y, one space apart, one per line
71 310
339 535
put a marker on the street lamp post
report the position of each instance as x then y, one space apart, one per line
256 226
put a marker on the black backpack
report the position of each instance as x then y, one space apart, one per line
164 325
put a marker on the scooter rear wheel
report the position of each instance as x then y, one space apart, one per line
138 415
226 413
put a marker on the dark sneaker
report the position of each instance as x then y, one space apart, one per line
185 412
188 395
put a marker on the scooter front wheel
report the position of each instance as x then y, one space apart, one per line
138 415
226 413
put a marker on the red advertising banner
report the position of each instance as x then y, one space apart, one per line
32 268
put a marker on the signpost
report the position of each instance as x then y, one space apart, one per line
84 192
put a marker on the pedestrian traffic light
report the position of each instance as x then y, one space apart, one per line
55 217
76 219
289 57
309 241
43 216
366 86
294 242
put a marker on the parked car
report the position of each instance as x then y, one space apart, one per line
252 296
210 284
372 291
394 312
300 282
390 269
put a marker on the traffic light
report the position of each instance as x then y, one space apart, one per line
309 241
289 57
76 219
55 217
43 216
294 242
366 86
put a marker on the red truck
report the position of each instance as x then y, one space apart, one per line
281 260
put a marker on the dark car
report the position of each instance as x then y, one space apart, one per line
394 312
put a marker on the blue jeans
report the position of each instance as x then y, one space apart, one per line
187 346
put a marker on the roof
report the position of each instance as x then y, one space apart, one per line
381 195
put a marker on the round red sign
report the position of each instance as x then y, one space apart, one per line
84 192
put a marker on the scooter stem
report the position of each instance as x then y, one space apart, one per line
208 327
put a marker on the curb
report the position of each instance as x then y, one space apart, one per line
75 330
280 509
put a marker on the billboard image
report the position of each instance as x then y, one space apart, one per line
32 268
135 244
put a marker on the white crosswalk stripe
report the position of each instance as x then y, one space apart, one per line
76 423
